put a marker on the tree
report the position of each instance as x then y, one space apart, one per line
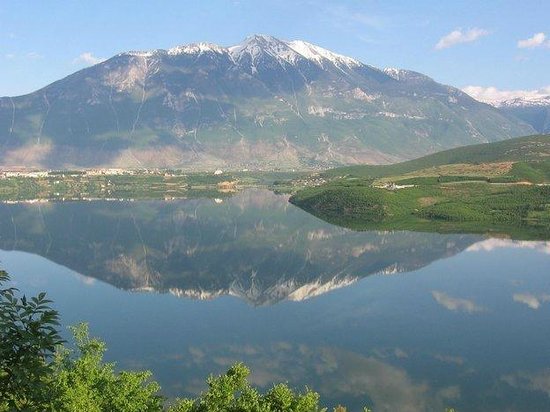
28 339
231 392
83 382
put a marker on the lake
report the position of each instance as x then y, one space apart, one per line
401 321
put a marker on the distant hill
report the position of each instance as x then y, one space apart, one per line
521 149
537 116
497 188
264 103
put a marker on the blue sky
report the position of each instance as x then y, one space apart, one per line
456 42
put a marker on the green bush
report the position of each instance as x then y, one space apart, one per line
28 339
231 392
85 383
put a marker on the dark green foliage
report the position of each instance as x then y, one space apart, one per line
510 204
28 339
351 200
520 210
85 383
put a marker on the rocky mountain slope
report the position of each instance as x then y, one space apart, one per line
263 103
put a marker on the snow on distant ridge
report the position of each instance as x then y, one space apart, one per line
509 98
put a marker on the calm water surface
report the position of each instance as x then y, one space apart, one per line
401 321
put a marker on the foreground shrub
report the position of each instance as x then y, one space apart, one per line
231 392
83 382
28 339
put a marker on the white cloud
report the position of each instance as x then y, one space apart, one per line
537 40
489 245
458 36
87 58
456 304
531 300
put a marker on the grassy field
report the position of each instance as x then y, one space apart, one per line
500 188
520 211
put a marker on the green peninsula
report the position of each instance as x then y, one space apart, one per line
498 188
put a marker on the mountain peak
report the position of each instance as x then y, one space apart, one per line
262 38
319 55
259 44
289 51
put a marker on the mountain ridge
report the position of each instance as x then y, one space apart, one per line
265 103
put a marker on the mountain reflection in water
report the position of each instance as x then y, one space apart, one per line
255 246
469 328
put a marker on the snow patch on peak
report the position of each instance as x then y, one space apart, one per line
144 53
406 75
197 48
257 41
393 72
320 55
193 48
290 51
258 44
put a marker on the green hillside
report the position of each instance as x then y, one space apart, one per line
529 148
500 188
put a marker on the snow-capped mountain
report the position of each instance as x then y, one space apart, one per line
263 103
530 106
533 111
524 102
254 48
